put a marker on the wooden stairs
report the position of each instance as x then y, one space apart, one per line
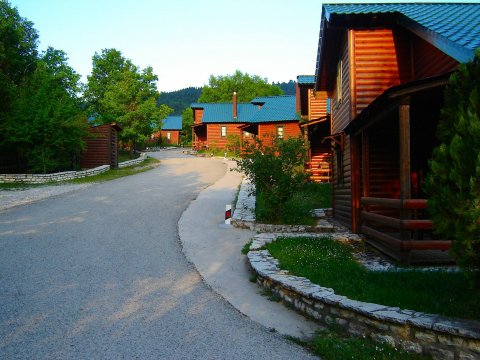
320 166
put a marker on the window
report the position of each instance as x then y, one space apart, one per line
246 134
168 136
279 132
339 82
223 131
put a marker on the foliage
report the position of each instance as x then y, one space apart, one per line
18 53
453 183
46 123
118 91
330 263
187 123
233 144
288 88
180 99
276 169
335 345
220 88
296 210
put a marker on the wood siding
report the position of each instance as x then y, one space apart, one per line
101 147
197 116
429 61
174 137
341 109
214 138
342 185
317 104
268 131
380 60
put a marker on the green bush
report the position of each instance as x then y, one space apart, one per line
277 171
453 183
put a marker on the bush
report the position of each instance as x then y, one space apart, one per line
453 183
277 171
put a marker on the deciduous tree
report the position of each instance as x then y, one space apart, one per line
220 88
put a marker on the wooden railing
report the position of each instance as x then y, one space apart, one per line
404 232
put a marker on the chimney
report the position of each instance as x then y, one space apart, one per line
234 104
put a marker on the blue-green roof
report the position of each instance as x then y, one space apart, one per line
172 123
306 79
454 28
273 108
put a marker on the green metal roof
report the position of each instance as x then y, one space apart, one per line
274 108
306 79
454 28
172 123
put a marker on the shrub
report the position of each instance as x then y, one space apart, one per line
277 170
453 183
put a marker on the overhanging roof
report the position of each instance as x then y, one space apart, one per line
453 28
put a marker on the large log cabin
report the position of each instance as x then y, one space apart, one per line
264 117
385 67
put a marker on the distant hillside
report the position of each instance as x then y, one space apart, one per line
180 99
287 87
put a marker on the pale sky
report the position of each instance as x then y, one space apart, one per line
185 41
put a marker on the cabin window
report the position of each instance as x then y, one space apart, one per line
338 97
279 132
223 131
246 134
168 135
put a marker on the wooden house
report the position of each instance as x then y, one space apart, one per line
171 130
101 146
385 67
265 117
314 109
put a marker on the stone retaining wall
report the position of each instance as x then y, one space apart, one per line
64 176
142 157
417 332
56 177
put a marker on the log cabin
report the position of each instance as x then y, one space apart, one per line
314 110
385 67
171 130
264 117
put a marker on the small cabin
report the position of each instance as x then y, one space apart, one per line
101 146
171 130
385 67
264 117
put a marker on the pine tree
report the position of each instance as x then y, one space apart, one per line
453 183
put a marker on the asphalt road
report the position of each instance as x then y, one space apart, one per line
100 274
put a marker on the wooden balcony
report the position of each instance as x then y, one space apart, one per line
401 229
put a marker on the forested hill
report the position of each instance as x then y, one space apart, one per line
179 100
287 87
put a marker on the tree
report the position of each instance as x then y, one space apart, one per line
453 183
18 53
187 122
221 88
118 91
46 123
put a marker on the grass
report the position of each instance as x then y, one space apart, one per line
330 264
112 174
333 345
246 248
296 211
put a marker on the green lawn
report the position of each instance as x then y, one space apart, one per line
296 211
330 264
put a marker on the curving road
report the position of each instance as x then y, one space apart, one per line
100 274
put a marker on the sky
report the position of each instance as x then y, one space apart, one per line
185 41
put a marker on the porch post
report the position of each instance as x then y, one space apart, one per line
404 133
405 182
